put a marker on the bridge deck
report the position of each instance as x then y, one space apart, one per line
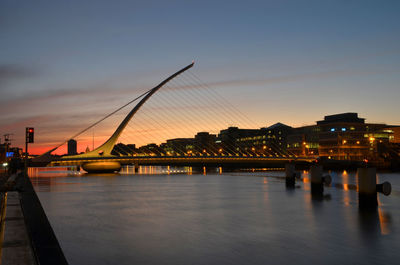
186 161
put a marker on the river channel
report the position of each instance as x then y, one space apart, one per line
177 216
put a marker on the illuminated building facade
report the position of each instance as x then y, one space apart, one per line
205 143
265 141
239 141
304 141
342 137
151 149
7 152
179 146
395 134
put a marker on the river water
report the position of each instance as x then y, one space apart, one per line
176 216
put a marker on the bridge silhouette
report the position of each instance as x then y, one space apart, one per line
107 157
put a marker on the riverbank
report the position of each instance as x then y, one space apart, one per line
26 235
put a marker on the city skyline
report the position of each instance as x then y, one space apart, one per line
86 144
286 62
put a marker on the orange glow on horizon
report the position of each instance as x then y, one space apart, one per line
38 149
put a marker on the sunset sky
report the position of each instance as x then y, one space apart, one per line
65 64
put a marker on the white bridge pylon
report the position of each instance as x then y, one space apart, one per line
105 149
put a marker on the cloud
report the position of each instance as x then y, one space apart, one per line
191 81
105 92
59 113
18 123
11 72
288 78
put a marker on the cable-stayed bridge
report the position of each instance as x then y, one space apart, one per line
181 105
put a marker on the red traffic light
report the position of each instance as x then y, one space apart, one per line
29 135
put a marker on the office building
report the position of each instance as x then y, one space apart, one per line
72 147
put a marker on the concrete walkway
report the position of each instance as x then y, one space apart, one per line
16 246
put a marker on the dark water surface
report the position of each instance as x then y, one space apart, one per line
229 218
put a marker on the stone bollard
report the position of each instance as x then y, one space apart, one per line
290 175
367 188
385 188
327 179
317 185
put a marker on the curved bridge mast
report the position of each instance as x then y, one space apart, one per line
105 149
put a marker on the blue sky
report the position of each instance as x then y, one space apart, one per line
287 61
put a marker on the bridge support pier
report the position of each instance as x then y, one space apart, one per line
367 198
318 181
317 187
137 168
367 188
290 175
101 167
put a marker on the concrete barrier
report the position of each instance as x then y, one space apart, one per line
45 245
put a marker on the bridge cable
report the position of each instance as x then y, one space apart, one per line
233 109
228 145
204 110
161 121
97 122
207 111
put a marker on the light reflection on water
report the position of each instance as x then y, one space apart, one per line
185 217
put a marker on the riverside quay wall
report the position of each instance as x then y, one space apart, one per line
26 236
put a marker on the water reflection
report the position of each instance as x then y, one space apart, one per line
385 221
369 224
185 217
315 197
346 187
151 170
111 175
306 181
